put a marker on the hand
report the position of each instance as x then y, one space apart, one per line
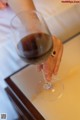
52 64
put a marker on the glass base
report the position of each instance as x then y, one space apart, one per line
52 92
49 92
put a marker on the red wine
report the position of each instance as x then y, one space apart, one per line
35 48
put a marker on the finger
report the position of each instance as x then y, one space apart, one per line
40 67
58 60
57 45
47 71
47 76
57 48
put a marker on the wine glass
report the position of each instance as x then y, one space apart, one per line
34 45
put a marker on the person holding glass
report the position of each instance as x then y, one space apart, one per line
51 65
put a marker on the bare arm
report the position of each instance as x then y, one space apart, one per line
20 5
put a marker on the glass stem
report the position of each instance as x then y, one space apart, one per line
47 85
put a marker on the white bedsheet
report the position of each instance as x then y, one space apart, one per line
9 60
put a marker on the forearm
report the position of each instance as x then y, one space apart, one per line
21 5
